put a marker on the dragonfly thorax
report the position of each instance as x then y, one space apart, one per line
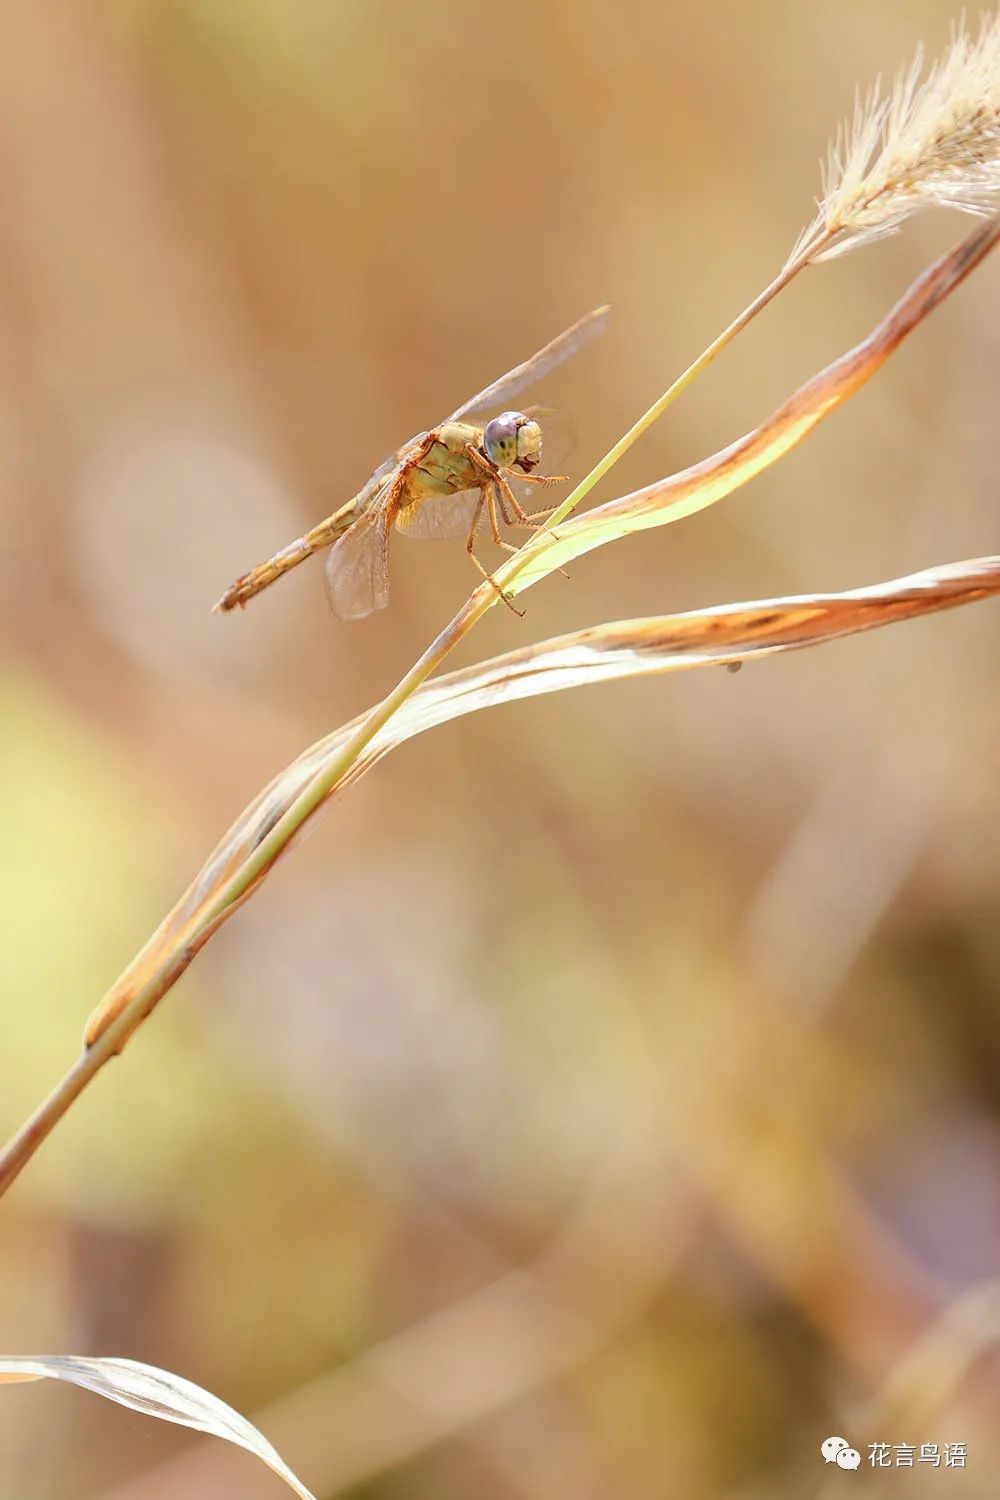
513 440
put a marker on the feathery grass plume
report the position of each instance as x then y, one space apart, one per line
931 141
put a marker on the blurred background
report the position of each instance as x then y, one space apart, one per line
605 1099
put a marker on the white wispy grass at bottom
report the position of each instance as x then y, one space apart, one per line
156 1393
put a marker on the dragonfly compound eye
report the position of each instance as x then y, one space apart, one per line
502 439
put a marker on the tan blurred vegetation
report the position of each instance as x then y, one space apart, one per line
604 1100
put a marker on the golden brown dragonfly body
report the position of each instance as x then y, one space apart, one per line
442 483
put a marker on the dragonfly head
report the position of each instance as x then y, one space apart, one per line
513 441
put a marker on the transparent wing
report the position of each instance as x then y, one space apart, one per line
382 477
500 392
357 567
443 517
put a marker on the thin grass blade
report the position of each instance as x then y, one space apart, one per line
630 648
187 927
156 1393
714 478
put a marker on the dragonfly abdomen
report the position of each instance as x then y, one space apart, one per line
266 573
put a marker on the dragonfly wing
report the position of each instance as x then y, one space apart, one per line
380 480
357 567
500 392
442 517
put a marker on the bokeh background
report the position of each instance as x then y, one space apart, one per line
605 1099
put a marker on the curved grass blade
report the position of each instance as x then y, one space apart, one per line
270 825
184 931
156 1393
714 478
629 648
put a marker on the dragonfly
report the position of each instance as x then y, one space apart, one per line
442 483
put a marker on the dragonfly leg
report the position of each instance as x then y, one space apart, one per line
494 502
486 499
499 492
520 516
505 515
538 515
481 462
529 521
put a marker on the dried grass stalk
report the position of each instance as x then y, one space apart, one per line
269 825
935 141
714 478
